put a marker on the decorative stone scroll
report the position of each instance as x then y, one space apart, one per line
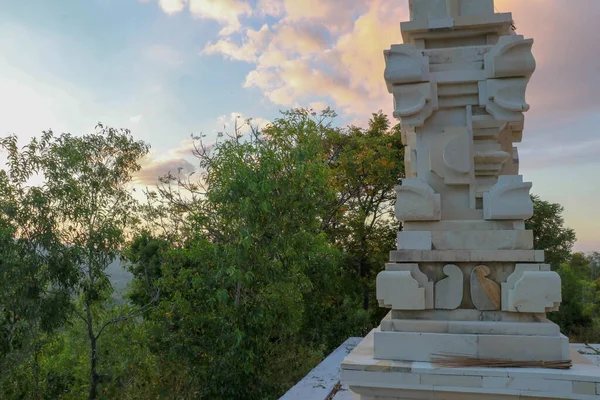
449 291
485 293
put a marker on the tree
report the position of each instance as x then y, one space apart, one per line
37 272
576 312
549 232
85 184
252 277
366 165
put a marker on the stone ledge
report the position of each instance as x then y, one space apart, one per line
321 380
450 256
471 327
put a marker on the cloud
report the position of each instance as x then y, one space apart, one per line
159 163
226 12
565 80
318 50
229 123
314 49
136 119
153 169
172 6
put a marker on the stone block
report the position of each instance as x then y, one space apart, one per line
535 291
504 328
413 346
476 7
451 256
453 215
405 64
377 378
482 240
450 156
414 240
524 348
504 99
450 380
413 325
510 57
508 199
414 102
457 55
441 23
513 279
399 290
584 387
416 201
449 291
465 314
471 327
424 10
460 226
526 384
417 275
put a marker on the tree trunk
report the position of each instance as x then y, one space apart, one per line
93 354
36 372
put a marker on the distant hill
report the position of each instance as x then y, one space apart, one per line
119 277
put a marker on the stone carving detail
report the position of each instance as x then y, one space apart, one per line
532 288
510 57
417 275
450 156
489 159
405 64
414 102
504 98
398 290
508 199
485 293
449 291
416 201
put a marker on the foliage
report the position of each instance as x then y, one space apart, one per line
84 188
37 271
549 231
365 165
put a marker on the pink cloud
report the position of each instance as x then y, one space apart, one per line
332 50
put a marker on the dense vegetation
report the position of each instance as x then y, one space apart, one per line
245 275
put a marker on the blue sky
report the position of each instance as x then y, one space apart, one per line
169 68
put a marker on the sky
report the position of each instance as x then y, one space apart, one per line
168 68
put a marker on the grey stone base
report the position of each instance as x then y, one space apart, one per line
371 378
418 346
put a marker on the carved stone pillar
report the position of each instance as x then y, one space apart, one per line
465 277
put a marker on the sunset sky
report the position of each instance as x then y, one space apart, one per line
168 68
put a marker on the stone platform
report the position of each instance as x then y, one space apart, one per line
371 379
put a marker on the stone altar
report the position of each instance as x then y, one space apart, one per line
465 278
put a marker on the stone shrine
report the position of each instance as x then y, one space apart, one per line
465 278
